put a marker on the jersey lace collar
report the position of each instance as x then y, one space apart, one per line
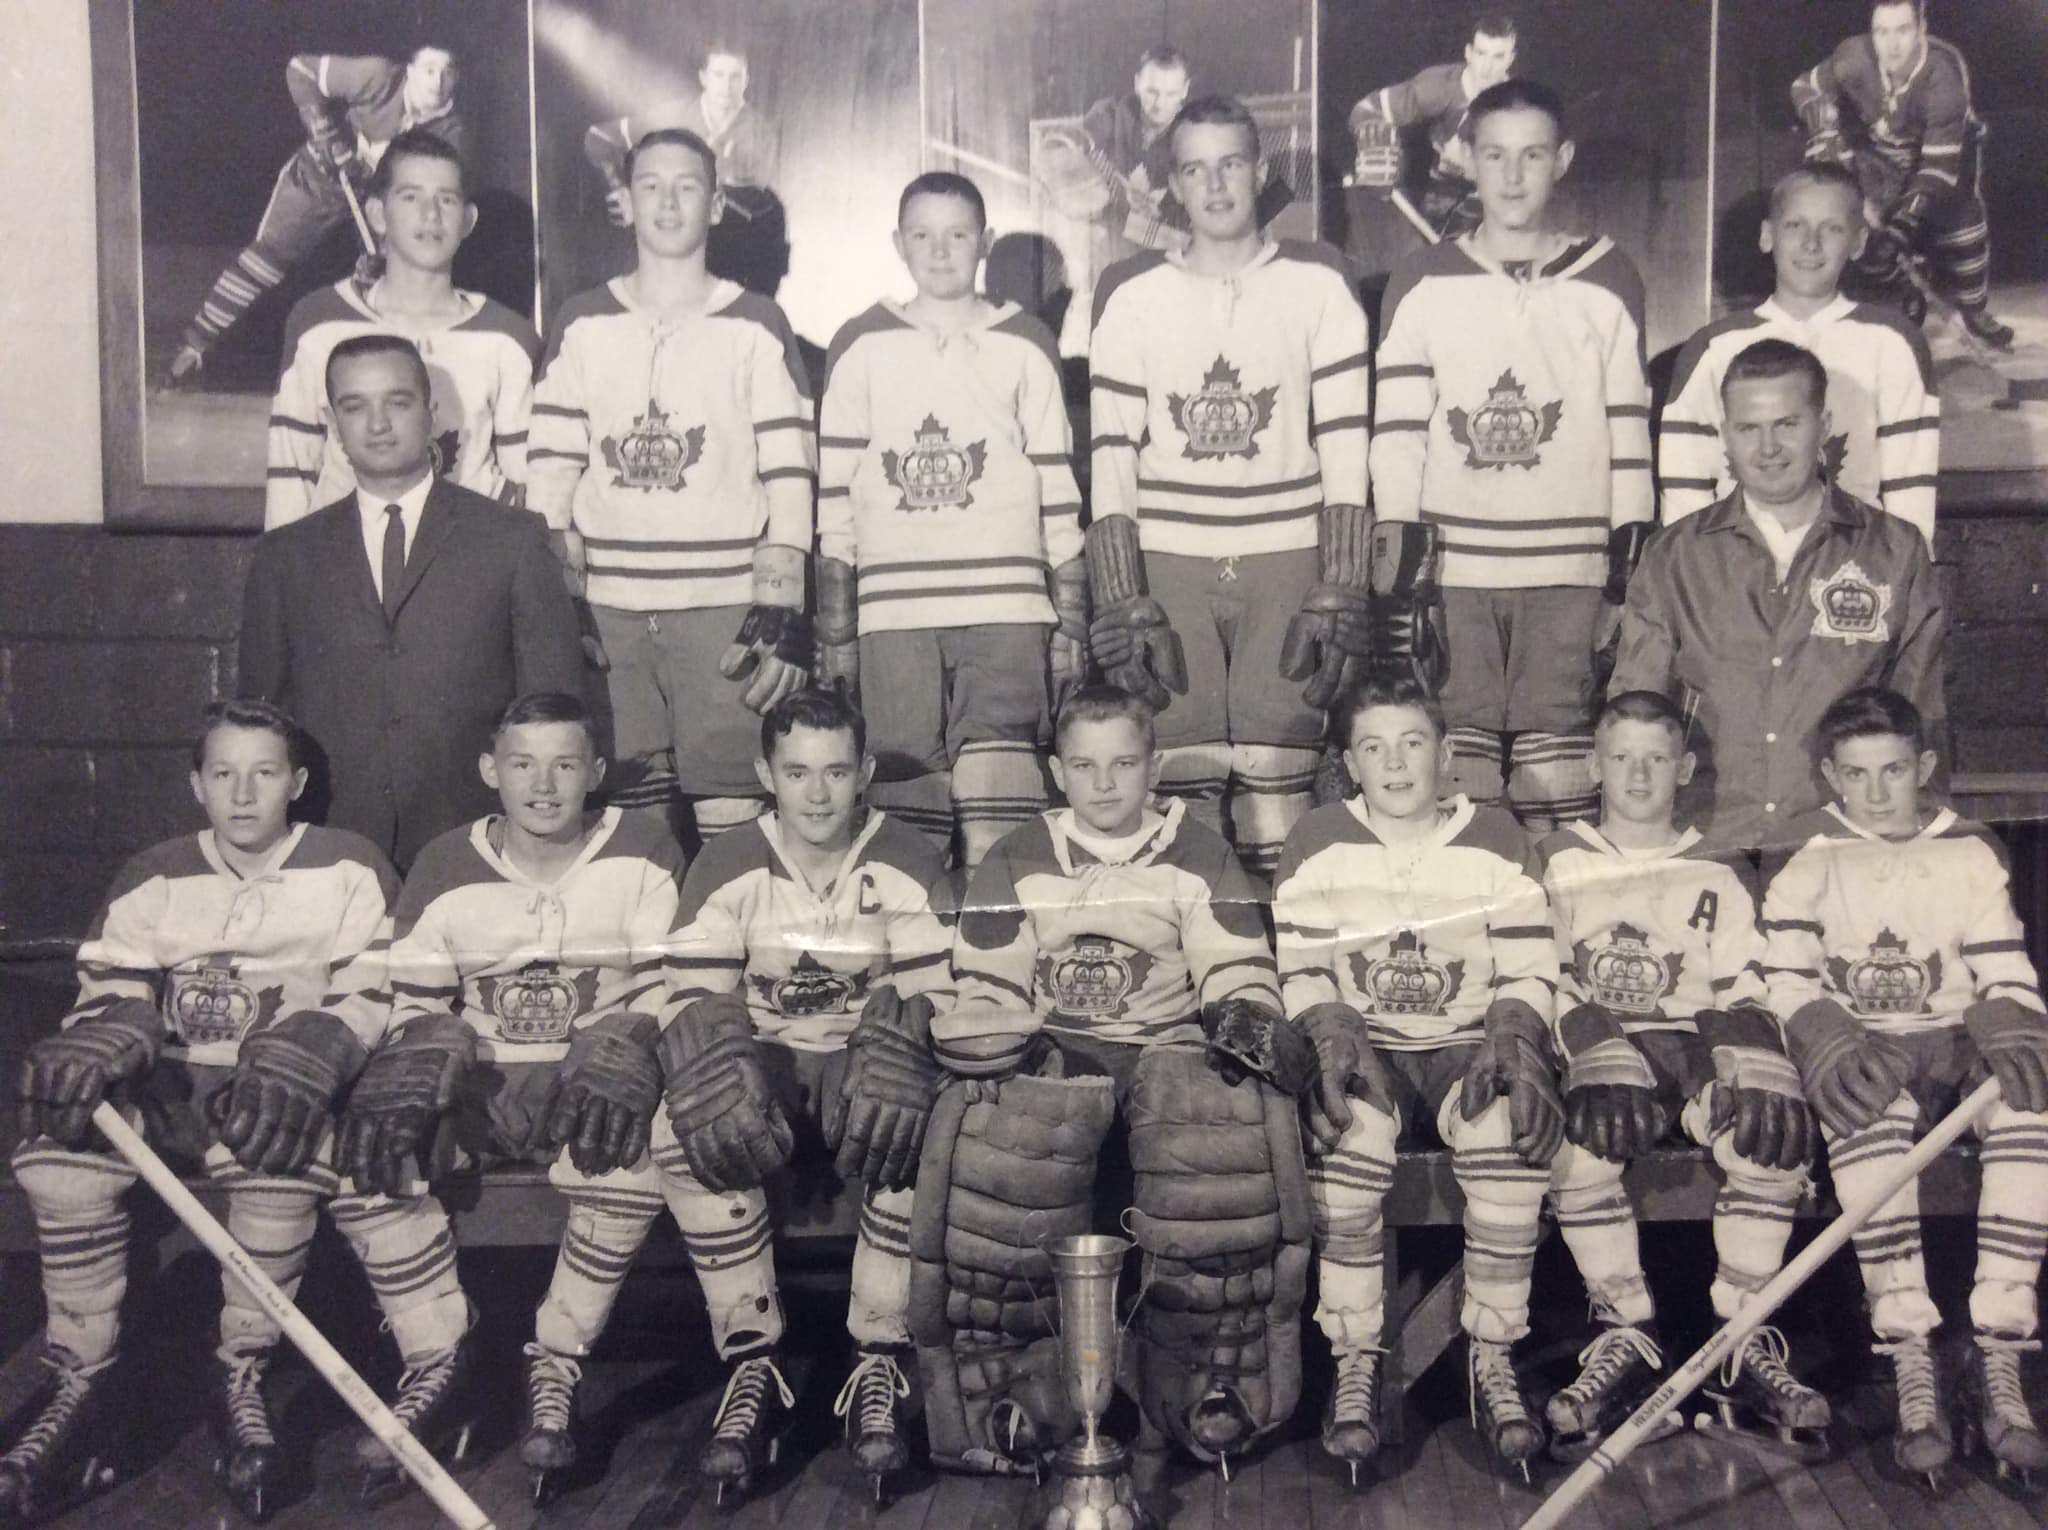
209 847
480 841
1453 814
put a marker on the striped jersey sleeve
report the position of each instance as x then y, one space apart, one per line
1407 400
558 430
845 428
785 423
1117 384
1633 497
1691 457
117 960
1908 420
1994 942
1224 934
425 974
1049 441
1340 395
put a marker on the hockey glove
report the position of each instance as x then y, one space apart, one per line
774 643
1245 1036
65 1076
279 1104
1515 1060
725 1115
1067 644
1624 552
397 1103
2014 1042
600 1103
1378 164
838 626
1610 1101
1849 1073
876 1122
1756 1093
1346 1067
1130 635
1906 221
1408 603
1330 643
1823 123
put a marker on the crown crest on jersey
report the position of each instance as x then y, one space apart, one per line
653 454
1890 980
1626 974
1850 605
935 474
538 1003
1222 420
1507 430
210 1003
810 988
1094 977
1408 980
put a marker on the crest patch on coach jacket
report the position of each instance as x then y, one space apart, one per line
935 474
1222 420
1507 430
1408 980
1850 605
653 455
212 1003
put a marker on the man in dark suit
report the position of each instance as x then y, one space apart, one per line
397 623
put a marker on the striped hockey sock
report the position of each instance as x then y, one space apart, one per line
1599 1227
727 1239
923 803
1888 1245
1550 780
997 785
1270 790
2012 1223
245 279
1347 1191
1197 775
82 1237
607 1226
407 1249
878 1311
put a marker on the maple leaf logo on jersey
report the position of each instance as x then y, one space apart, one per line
1833 453
1850 605
209 1002
652 455
1222 420
1094 978
539 1002
1407 980
1889 981
1507 430
935 474
444 452
811 988
1625 974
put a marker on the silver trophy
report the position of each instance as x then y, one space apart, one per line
1092 1472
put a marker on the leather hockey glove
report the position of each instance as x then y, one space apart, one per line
1244 1036
1849 1073
1408 603
1329 644
1756 1093
876 1122
397 1102
1624 552
1067 644
2014 1042
774 644
1905 222
1346 1067
65 1076
600 1103
279 1104
1130 635
1823 123
1515 1060
1610 1101
1378 164
838 626
725 1115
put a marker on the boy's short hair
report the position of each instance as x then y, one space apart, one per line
1515 95
1104 702
1642 707
357 346
260 715
681 138
825 708
1224 111
1384 691
545 707
1777 358
1494 24
416 143
1816 173
1869 711
943 183
1162 56
724 47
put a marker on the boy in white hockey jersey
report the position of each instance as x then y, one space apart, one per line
229 990
1661 1019
949 533
673 454
809 952
1513 433
1230 389
1415 950
1884 438
526 996
1900 970
479 353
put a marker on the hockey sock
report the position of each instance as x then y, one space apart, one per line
1752 1214
1271 790
607 1225
923 803
726 1236
407 1250
715 815
1599 1227
2012 1223
1503 1213
1197 775
997 785
240 283
647 787
1347 1191
1550 780
1962 258
878 1311
82 1237
274 1219
1476 764
1888 1245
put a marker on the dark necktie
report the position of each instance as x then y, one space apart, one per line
394 558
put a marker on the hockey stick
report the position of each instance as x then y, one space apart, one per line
1617 1445
1407 210
460 1509
355 209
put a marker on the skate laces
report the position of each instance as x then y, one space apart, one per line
739 1410
551 1388
1358 1385
1913 1367
1769 1359
2002 1375
1493 1380
57 1416
870 1394
1608 1356
242 1394
422 1386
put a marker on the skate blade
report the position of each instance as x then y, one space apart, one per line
1806 1447
1571 1449
73 1491
388 1481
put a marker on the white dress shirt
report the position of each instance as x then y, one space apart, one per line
411 505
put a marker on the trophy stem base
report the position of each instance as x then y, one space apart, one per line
1092 1488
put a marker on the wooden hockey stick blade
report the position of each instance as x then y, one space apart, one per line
1666 1398
447 1495
1407 210
355 209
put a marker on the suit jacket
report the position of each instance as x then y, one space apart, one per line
401 707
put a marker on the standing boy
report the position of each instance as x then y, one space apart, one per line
947 500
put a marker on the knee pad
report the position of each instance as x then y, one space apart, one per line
1348 1186
1550 778
715 815
1581 1180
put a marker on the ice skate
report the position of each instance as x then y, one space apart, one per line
62 1456
1923 1445
747 1434
1351 1418
432 1402
874 1430
1757 1396
549 1447
1998 1416
248 1463
1499 1411
1220 1423
1984 326
1620 1368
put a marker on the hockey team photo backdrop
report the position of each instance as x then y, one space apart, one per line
1994 402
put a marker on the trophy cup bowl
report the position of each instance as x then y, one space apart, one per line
1092 1472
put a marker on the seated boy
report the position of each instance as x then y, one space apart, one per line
1415 949
1900 971
809 952
1112 957
526 992
227 994
1662 999
946 495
